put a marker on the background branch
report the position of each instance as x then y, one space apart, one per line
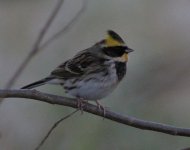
65 28
53 127
127 120
36 45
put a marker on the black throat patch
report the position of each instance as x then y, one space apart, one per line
121 69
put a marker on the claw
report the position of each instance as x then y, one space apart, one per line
100 107
80 104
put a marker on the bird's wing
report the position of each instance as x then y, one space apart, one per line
82 64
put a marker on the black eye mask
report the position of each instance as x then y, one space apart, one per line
115 51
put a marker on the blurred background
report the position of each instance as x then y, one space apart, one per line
156 88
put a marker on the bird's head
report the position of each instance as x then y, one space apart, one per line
114 47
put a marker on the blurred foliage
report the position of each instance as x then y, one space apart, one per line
156 87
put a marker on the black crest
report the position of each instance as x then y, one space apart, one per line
115 36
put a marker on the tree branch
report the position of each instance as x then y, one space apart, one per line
127 120
53 127
65 28
36 45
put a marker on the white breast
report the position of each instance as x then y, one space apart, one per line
94 87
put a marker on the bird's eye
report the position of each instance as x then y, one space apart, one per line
115 51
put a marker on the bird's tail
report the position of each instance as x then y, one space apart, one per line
38 83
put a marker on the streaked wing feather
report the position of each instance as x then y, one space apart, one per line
63 72
81 64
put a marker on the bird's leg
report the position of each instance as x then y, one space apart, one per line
100 107
80 104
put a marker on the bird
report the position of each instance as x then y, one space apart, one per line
93 73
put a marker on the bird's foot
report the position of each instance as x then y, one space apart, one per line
81 104
100 107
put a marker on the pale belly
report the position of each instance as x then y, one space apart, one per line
94 87
92 90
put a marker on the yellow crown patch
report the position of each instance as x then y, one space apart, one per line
113 39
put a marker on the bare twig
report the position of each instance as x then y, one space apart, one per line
65 28
53 127
127 120
36 45
39 46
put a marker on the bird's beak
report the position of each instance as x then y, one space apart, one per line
129 50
